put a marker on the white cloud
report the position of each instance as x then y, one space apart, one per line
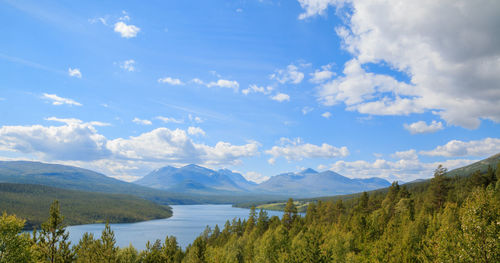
56 100
124 16
171 81
128 65
316 7
255 177
405 155
169 119
256 89
326 115
420 127
224 83
142 122
195 118
198 81
196 131
73 121
455 148
79 143
449 49
281 97
126 31
322 75
306 110
296 150
75 140
74 73
403 169
101 20
289 75
239 10
357 89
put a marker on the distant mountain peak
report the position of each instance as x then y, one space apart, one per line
308 171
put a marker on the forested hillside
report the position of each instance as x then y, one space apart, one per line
33 201
448 219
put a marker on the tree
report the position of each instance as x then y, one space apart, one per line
480 226
171 251
53 244
128 255
86 249
290 214
251 220
262 221
106 245
14 246
439 188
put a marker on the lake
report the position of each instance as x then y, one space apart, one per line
187 223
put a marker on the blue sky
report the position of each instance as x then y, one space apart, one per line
260 87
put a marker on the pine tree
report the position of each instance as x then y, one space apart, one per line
106 245
86 249
290 214
262 221
439 188
53 244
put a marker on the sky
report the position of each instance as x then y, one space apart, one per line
364 88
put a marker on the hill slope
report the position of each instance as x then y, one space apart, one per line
74 178
32 202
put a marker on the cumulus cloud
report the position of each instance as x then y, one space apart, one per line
79 143
403 169
171 81
141 121
224 83
281 97
256 177
258 89
450 50
56 100
169 119
128 65
319 76
126 31
289 75
420 127
326 115
455 148
296 150
196 131
74 72
75 140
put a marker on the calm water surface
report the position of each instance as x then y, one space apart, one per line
187 223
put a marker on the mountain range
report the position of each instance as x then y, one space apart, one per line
308 183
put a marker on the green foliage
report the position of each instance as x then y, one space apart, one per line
14 246
32 202
52 241
446 219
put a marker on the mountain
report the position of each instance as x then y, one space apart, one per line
310 183
32 202
307 183
196 179
74 178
